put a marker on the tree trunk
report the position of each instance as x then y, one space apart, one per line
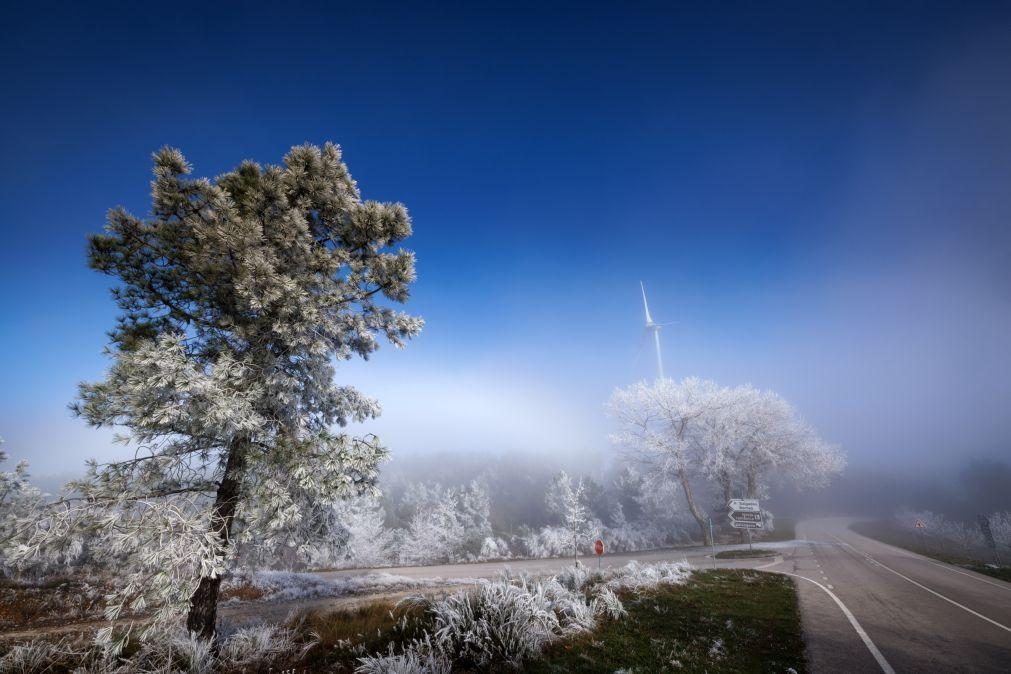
752 485
203 614
694 509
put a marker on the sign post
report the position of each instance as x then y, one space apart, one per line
712 541
598 548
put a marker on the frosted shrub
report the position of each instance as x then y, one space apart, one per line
606 603
416 659
37 656
637 577
575 614
499 622
260 645
575 577
494 548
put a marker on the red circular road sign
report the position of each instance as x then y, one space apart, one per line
598 546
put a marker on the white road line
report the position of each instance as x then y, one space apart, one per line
924 587
871 646
970 575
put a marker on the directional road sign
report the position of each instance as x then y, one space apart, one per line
746 504
746 525
745 516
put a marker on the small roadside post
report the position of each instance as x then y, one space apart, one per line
921 526
598 548
712 540
984 527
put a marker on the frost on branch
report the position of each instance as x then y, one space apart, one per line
237 296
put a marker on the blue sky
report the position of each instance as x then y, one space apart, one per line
814 191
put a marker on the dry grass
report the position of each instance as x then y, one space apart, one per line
342 636
54 601
242 593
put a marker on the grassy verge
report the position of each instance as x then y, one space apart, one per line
886 532
720 621
744 554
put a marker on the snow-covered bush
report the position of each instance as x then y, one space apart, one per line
38 656
499 622
638 577
494 548
259 646
606 603
172 652
417 658
505 621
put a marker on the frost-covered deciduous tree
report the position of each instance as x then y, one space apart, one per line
237 295
660 428
567 501
741 439
754 437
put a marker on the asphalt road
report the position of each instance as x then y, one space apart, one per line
867 606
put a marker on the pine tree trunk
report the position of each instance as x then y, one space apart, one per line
203 614
694 509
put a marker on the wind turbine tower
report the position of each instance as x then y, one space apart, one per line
654 327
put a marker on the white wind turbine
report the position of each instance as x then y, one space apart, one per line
653 327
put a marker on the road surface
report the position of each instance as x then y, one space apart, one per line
867 606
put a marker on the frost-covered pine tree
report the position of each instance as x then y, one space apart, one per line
567 500
237 295
19 499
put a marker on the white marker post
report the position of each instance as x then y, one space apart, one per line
712 541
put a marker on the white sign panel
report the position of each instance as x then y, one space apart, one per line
746 525
748 505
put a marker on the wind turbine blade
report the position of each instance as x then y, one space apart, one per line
649 319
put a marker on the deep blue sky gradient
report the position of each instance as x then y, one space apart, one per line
815 191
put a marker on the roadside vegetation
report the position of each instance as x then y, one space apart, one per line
721 621
946 540
648 618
